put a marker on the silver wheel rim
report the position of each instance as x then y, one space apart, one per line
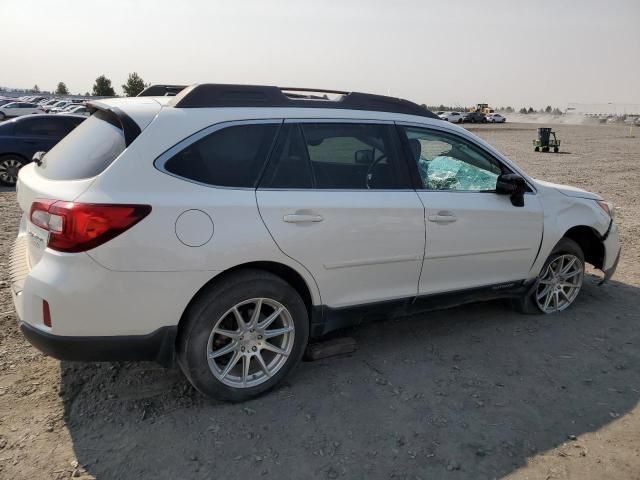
559 284
250 343
9 168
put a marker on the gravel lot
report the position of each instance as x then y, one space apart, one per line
475 392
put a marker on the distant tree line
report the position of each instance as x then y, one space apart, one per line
102 87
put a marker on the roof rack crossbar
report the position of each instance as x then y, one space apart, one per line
161 90
210 95
314 90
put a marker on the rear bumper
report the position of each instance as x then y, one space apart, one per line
156 346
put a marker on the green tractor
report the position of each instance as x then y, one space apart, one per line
544 142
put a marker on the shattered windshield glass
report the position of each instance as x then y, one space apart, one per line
448 162
446 173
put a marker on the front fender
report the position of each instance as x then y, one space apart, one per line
561 213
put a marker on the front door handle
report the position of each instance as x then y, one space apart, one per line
443 217
302 218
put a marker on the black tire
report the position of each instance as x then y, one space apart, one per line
9 163
211 305
527 302
537 149
556 149
545 149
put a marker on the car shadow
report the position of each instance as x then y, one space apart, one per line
477 390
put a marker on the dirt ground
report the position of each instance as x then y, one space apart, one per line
477 392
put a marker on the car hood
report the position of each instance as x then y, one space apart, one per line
569 191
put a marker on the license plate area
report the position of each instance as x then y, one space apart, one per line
37 240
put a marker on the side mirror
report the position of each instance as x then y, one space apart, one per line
363 157
38 156
514 185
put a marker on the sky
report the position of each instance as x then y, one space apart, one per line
462 52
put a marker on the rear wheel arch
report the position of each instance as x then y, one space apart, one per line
286 273
590 242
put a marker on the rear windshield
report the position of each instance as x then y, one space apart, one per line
86 152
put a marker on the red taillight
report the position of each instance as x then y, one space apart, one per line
46 313
77 227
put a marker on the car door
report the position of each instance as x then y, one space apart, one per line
475 237
337 198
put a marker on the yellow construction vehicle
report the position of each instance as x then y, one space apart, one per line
483 108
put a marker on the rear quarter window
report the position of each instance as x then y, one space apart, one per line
232 156
86 152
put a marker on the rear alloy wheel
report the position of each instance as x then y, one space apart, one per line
9 168
558 283
243 335
250 342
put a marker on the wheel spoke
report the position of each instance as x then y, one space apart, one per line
270 319
544 291
232 363
263 365
547 300
274 349
564 294
256 314
224 350
277 332
568 266
246 363
556 299
566 276
227 333
241 324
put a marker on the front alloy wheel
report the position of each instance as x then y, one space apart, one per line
559 284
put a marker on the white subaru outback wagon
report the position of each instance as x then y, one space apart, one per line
226 226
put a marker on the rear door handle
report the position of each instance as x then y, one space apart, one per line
302 218
443 217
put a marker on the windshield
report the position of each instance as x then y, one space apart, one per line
86 152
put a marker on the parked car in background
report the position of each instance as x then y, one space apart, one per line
59 106
4 101
18 109
474 117
496 118
49 103
227 237
78 110
22 137
453 117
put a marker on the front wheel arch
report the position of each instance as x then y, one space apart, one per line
590 242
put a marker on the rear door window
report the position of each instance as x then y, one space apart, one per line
355 156
289 166
86 152
232 156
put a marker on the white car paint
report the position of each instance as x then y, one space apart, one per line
496 118
369 246
452 117
18 109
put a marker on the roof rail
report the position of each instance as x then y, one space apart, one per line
161 90
208 95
